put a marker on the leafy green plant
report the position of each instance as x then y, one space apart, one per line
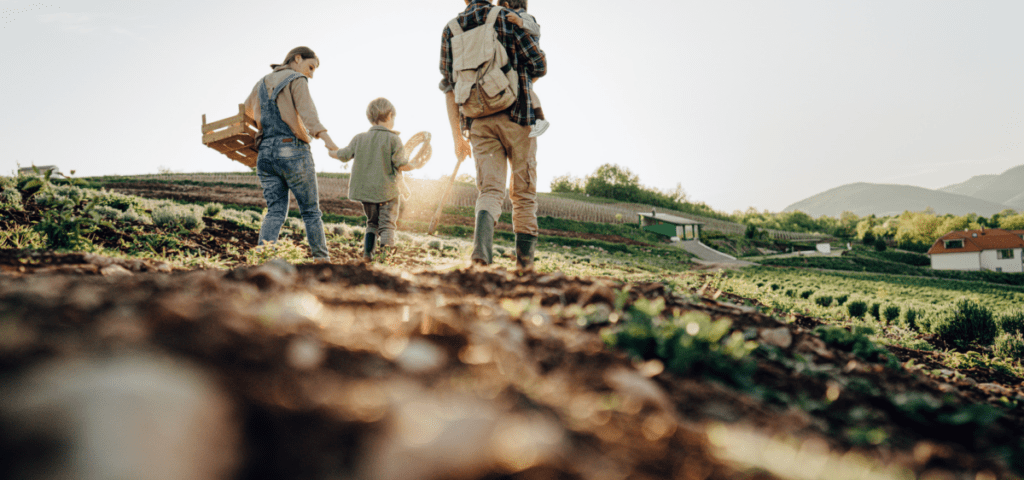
131 215
880 245
806 294
1012 322
910 317
891 313
29 185
689 344
841 299
10 198
875 310
284 249
857 308
858 343
212 209
823 300
106 212
1010 346
21 237
968 324
118 201
177 216
65 228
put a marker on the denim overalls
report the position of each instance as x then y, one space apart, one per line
285 163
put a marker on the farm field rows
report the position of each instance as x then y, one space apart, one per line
428 192
615 357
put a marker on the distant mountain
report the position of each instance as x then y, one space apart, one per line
1003 188
970 187
871 198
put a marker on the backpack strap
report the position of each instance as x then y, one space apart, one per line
492 16
455 27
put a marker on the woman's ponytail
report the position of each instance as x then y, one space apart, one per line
304 52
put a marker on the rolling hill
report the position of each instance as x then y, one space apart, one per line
1006 188
880 199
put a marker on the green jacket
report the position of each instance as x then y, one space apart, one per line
378 153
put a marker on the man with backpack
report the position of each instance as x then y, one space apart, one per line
487 65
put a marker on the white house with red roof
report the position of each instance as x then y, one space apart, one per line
986 249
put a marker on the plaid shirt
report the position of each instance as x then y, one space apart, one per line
524 55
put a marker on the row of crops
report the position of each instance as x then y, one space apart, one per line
967 315
429 192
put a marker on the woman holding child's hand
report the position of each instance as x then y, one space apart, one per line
287 121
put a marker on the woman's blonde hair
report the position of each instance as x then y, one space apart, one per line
378 110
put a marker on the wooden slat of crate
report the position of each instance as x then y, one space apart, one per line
233 136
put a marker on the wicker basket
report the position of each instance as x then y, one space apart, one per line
234 136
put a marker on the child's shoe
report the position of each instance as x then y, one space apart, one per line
539 128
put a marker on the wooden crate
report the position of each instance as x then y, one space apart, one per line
234 136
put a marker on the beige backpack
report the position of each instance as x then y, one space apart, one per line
485 83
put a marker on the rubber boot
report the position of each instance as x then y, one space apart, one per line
483 239
369 241
526 245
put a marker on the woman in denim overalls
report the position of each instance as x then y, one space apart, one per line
285 161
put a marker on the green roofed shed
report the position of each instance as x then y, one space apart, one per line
670 225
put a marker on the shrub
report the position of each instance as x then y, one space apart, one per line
1012 322
857 308
1010 346
132 216
118 201
212 209
107 212
841 299
178 217
435 245
774 286
891 312
858 343
806 294
969 323
823 300
880 245
869 238
876 310
240 219
910 317
790 292
10 198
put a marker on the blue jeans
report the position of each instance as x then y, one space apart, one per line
283 167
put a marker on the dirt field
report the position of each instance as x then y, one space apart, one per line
254 197
349 371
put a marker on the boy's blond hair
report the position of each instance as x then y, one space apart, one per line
378 110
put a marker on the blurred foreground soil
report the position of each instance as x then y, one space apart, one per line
354 371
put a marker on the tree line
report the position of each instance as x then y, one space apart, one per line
915 231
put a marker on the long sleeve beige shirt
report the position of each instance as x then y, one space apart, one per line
294 103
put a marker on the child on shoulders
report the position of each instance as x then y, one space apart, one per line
380 159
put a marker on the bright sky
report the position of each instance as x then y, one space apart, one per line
745 103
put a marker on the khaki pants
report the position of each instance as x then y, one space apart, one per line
497 143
